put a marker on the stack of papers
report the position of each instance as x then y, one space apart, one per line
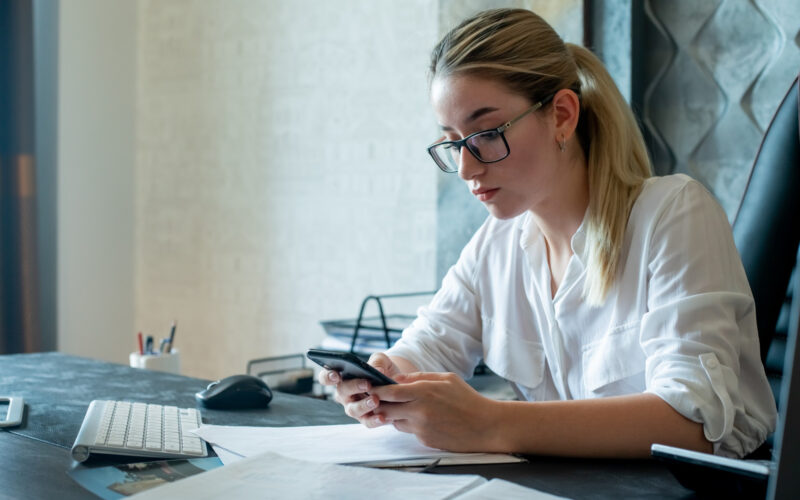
303 462
273 476
383 446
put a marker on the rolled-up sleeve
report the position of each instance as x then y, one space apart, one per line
699 334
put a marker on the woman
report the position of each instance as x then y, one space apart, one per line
615 303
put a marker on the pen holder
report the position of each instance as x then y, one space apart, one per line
168 362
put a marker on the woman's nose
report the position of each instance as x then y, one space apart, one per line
468 165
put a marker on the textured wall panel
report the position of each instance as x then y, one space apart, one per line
708 102
780 69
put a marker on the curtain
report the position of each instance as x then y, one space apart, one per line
19 280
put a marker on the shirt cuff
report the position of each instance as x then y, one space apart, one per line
703 390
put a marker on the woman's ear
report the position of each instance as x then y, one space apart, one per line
566 110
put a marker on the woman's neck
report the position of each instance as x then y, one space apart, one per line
560 216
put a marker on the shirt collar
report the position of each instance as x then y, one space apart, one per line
529 231
578 241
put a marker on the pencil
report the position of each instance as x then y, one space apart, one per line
168 347
141 346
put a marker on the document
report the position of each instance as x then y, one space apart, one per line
269 475
338 444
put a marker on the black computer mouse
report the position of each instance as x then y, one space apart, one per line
235 392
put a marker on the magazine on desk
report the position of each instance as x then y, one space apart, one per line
113 482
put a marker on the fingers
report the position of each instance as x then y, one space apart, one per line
413 386
360 408
344 388
374 420
328 377
352 390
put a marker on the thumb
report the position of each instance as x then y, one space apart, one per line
382 362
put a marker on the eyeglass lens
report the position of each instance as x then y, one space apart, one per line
487 147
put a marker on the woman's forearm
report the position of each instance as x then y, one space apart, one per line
621 427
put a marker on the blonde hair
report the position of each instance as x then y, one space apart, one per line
519 49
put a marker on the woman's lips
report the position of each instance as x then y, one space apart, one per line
485 194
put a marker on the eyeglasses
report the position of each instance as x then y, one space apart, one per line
487 146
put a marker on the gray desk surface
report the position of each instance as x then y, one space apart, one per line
35 458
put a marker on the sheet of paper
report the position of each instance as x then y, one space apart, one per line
273 476
340 444
225 456
498 488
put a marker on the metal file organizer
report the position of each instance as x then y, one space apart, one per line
365 335
362 336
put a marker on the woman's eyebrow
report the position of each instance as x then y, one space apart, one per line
473 116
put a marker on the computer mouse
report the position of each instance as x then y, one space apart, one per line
235 392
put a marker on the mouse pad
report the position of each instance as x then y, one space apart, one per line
58 388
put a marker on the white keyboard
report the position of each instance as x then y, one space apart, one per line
139 429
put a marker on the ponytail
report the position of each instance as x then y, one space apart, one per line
617 165
519 49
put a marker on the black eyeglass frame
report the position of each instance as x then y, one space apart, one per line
461 143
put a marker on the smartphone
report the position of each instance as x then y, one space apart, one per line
348 365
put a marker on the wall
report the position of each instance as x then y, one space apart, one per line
282 172
247 168
96 147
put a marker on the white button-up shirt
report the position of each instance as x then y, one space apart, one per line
679 321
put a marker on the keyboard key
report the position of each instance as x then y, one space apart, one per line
115 440
133 443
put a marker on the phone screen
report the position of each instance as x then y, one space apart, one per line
348 365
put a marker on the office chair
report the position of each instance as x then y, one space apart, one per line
766 230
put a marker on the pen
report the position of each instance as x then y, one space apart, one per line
141 347
148 345
431 465
171 336
163 347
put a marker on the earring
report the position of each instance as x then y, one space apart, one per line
562 144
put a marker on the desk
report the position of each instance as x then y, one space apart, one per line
57 388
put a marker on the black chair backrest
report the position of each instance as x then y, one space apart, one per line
766 228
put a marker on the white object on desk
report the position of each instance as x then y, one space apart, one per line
225 456
340 444
139 430
14 414
168 362
273 476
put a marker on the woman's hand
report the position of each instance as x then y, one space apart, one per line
442 410
355 395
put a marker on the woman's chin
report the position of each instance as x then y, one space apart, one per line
502 213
